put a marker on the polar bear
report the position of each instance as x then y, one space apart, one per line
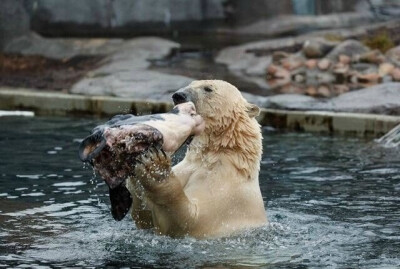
214 191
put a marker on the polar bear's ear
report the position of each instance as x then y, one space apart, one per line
252 110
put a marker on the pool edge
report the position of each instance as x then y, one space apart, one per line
47 103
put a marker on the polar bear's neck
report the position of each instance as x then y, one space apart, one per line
238 140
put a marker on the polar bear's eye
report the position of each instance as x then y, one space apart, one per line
207 89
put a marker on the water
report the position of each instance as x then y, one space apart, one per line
332 202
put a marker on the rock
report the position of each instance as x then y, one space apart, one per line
353 77
290 101
138 84
385 69
368 78
315 48
291 89
349 48
396 74
364 68
277 72
311 64
379 99
324 64
323 91
341 72
61 48
255 99
318 77
241 57
126 74
259 67
374 57
344 59
340 68
311 91
339 89
277 56
298 78
386 79
292 63
394 55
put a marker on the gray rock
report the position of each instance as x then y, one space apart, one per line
239 58
59 48
379 99
137 84
364 68
292 102
255 99
316 77
349 47
394 55
259 66
126 74
317 48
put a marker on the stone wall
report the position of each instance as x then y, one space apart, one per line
14 20
136 17
122 17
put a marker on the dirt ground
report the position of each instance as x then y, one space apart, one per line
43 73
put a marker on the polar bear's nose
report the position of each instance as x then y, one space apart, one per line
179 98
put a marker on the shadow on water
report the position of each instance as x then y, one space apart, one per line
331 201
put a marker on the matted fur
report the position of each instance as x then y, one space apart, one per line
214 190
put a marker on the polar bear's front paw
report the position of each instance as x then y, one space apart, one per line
154 166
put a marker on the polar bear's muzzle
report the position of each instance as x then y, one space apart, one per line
184 95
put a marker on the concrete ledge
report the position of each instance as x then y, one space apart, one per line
329 122
60 104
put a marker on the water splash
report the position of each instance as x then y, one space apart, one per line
391 139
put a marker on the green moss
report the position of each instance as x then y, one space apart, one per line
333 37
381 41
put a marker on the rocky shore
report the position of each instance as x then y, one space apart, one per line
299 73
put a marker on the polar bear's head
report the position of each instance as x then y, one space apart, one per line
217 101
230 126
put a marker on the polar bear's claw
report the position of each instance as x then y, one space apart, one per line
153 166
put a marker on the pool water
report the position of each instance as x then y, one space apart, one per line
332 202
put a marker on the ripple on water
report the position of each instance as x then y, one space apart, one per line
331 201
29 176
69 184
318 240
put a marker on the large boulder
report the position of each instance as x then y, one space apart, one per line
379 99
317 48
126 73
292 102
137 84
349 47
